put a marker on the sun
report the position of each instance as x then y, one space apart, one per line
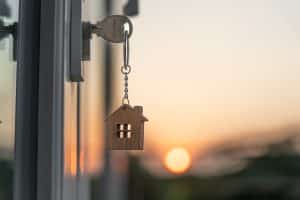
177 160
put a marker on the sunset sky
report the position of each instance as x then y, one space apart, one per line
206 69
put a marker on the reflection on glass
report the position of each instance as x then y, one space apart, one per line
83 136
8 15
90 103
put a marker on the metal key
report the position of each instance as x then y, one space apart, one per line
112 28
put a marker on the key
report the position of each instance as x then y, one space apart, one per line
112 28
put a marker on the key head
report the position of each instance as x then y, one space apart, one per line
112 28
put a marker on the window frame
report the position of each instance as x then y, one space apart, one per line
26 129
51 101
39 101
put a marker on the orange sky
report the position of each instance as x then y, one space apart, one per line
206 69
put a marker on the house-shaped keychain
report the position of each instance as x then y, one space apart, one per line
126 128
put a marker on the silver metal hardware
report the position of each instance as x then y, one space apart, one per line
110 29
126 68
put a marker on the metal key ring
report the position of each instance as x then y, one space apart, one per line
125 101
126 49
126 69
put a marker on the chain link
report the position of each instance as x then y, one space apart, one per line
126 68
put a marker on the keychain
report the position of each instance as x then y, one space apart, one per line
126 124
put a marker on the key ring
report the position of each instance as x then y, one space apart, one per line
125 100
126 69
126 49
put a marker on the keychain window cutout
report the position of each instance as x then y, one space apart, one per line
124 131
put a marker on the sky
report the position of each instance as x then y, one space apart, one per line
204 70
211 69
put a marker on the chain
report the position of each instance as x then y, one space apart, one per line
126 68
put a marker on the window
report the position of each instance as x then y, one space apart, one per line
124 131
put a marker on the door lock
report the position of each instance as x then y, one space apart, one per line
110 29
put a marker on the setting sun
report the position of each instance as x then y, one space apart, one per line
178 160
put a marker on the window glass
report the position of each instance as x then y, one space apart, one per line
84 118
219 81
8 15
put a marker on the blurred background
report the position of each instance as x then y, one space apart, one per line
219 82
8 15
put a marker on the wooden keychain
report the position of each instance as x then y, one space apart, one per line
126 124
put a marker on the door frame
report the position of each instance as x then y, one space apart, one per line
51 101
26 129
39 101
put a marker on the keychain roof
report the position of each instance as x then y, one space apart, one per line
138 109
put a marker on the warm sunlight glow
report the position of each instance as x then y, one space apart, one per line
178 160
